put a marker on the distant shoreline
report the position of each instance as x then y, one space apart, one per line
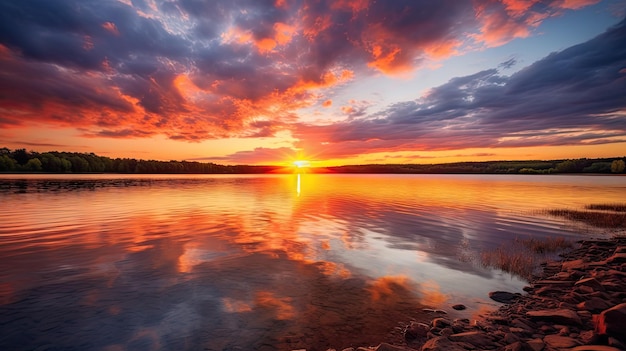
21 161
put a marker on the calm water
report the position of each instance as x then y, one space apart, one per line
277 262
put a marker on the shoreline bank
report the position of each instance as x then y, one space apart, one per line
576 303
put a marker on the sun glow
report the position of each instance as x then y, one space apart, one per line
301 163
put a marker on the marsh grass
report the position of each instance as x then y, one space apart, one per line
607 207
601 216
522 257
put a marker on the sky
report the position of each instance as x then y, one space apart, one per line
333 82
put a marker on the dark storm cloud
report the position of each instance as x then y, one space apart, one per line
83 34
571 97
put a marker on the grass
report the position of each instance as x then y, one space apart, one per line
601 219
523 256
607 207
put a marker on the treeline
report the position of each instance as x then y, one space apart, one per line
582 165
21 160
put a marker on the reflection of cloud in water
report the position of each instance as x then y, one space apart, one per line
226 263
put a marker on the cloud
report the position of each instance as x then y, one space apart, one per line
572 97
257 156
196 70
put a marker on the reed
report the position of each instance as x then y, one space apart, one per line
523 256
607 207
601 219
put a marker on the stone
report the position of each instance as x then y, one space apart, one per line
555 316
388 347
441 343
560 342
510 338
476 338
594 304
415 330
590 282
536 344
459 307
574 265
612 322
503 296
440 323
524 324
553 283
617 258
517 346
595 348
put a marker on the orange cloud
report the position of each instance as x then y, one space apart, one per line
517 8
111 28
327 103
353 5
576 4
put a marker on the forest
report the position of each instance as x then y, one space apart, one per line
23 161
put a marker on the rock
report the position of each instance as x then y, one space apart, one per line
595 348
510 338
440 323
459 307
503 296
415 330
590 282
476 338
560 342
441 343
388 347
617 258
536 344
524 324
612 322
594 304
574 265
554 283
518 346
563 316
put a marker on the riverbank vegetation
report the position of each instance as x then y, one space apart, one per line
523 256
23 161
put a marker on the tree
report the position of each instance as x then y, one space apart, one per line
33 165
7 164
618 166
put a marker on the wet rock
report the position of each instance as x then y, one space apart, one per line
617 258
555 316
536 344
459 307
518 346
415 330
441 343
440 323
590 282
612 322
388 347
578 264
503 296
560 342
594 305
595 348
476 338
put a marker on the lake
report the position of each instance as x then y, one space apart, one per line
260 262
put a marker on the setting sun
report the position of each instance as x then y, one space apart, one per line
301 163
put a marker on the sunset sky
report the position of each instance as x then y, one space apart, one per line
328 81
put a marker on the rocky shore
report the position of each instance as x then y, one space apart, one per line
578 303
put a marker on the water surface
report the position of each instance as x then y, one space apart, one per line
258 262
